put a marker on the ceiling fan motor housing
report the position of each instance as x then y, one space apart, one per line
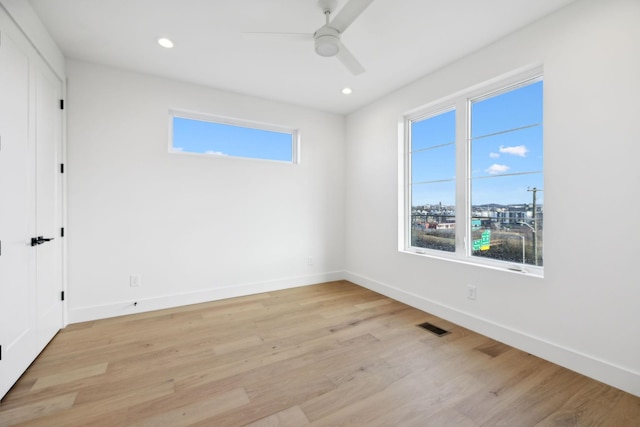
327 41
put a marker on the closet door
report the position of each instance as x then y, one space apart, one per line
30 207
48 133
18 331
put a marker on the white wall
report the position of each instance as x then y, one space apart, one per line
585 313
194 228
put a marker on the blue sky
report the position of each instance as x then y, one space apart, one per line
506 151
195 136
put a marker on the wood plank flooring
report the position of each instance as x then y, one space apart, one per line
333 354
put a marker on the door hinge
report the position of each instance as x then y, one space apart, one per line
62 296
62 104
62 232
61 167
0 352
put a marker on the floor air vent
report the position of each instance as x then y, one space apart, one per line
434 329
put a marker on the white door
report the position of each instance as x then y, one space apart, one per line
30 206
48 209
18 333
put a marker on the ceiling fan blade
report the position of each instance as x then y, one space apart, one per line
349 61
348 14
279 36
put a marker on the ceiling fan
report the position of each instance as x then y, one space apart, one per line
327 38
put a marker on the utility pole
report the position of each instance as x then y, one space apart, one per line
534 216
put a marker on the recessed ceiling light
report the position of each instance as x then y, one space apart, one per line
346 90
165 42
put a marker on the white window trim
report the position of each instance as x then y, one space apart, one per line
459 101
213 118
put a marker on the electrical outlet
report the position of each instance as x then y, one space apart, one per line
310 261
135 280
471 292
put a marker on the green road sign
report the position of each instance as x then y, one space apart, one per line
484 242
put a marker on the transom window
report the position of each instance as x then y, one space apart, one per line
474 177
219 136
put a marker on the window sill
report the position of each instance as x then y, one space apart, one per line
513 268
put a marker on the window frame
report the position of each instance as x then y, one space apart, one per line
231 121
460 102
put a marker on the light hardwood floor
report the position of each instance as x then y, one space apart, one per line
333 354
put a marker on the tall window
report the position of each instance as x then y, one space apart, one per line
218 136
474 177
506 174
433 185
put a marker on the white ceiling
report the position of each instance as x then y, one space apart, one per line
397 41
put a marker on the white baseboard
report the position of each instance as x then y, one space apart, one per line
600 370
88 313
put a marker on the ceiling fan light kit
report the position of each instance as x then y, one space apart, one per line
327 42
327 46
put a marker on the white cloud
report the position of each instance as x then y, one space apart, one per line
494 155
518 150
219 153
496 169
178 149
